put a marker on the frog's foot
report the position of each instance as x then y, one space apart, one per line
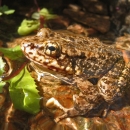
70 112
123 45
106 111
67 113
52 102
126 56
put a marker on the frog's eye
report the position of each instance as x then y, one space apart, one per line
52 49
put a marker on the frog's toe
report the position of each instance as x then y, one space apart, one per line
59 118
52 102
126 56
105 112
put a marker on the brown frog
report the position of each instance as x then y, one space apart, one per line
77 61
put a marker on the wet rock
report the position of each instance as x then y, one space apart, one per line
120 14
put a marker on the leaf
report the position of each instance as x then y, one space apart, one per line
11 11
23 92
28 26
36 15
44 12
2 66
12 53
4 9
47 14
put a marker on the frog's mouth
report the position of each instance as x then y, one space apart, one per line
44 71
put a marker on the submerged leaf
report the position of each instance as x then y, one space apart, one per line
12 53
23 92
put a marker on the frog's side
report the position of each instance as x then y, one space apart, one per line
78 59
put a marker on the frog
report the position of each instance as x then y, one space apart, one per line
78 60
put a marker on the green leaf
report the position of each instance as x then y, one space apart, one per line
4 8
47 14
28 26
2 66
23 92
44 12
12 53
11 11
36 15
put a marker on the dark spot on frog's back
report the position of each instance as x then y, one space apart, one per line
32 46
35 57
30 53
82 55
72 39
51 35
41 48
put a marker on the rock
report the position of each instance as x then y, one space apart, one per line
95 6
79 29
98 22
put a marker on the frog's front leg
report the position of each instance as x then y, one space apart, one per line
113 84
85 102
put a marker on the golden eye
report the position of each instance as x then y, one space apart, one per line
52 49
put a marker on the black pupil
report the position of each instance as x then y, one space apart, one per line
51 48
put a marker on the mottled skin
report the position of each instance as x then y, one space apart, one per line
79 59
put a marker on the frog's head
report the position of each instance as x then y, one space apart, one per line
45 50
